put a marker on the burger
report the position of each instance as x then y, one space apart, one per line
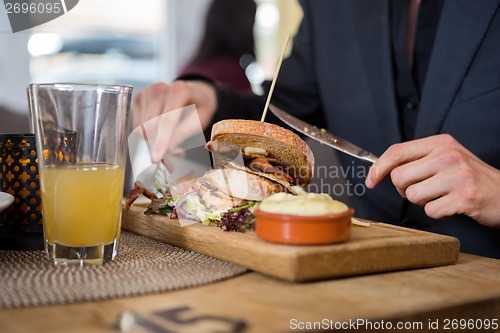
251 161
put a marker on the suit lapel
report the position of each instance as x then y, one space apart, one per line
462 27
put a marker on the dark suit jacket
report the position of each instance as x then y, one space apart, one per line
341 67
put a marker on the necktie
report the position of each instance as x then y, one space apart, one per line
411 28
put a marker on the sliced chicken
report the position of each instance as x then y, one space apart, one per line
242 184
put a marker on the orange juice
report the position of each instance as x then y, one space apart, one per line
82 203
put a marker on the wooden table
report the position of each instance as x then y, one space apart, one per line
257 303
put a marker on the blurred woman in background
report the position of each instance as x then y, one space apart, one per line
227 44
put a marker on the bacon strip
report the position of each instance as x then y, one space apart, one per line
262 164
138 189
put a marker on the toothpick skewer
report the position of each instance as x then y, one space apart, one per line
274 79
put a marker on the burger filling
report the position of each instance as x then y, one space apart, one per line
225 196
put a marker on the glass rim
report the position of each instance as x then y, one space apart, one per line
66 86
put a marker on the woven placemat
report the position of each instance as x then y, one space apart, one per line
143 266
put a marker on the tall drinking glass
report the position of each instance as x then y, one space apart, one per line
81 141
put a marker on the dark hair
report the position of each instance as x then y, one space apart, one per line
228 30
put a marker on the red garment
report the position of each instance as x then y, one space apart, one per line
225 70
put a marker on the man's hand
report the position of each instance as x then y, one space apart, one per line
444 177
160 98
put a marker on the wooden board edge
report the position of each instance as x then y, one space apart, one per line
444 250
380 260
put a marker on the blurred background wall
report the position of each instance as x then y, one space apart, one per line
122 41
14 78
125 41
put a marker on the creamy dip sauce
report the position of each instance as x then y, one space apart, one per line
307 204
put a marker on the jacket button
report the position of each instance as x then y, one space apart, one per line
411 105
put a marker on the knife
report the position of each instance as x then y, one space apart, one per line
321 135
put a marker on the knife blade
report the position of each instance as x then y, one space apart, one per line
321 135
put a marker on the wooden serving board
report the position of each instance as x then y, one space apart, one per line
378 248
